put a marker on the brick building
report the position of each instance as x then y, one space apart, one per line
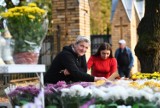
70 18
125 17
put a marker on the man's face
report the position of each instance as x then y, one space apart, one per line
122 46
81 48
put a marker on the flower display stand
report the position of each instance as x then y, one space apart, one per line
5 105
25 69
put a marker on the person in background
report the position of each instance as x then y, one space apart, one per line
103 63
70 64
124 58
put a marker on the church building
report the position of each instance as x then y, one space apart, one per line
125 17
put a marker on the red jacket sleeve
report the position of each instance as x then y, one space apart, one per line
113 65
90 62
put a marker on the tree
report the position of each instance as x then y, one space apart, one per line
148 47
100 16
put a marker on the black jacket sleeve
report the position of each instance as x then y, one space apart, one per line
67 60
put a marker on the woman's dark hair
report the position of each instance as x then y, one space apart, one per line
104 46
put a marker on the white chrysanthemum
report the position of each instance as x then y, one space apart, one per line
147 89
86 92
38 101
29 0
158 102
15 2
2 3
116 92
122 92
156 97
133 93
123 106
122 82
98 93
29 105
109 96
92 106
147 96
65 91
76 90
105 89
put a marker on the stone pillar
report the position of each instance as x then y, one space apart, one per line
70 18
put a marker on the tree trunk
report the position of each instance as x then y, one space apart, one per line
148 47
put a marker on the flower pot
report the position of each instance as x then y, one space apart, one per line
26 58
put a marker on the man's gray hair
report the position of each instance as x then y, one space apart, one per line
82 39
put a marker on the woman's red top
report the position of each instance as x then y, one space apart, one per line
102 67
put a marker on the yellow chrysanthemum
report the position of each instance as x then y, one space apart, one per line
32 5
31 16
7 15
16 14
99 82
155 75
22 13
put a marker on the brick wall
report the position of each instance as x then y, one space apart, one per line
73 18
116 33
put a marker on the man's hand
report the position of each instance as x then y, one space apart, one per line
66 72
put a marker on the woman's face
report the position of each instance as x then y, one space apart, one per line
105 54
81 48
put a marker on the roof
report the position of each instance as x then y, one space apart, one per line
114 5
139 6
128 7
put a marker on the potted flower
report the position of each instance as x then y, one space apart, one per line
22 95
28 27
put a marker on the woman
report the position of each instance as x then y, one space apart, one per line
71 58
103 63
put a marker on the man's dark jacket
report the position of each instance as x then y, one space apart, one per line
68 59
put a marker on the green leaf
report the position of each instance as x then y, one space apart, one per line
112 105
150 105
141 105
130 101
51 106
100 106
22 102
135 105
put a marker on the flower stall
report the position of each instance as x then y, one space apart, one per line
101 94
20 93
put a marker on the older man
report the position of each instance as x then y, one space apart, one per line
125 59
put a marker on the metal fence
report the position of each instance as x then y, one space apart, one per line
97 40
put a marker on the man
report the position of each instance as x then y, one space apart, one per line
125 59
73 63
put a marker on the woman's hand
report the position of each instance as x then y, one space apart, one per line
114 76
100 78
